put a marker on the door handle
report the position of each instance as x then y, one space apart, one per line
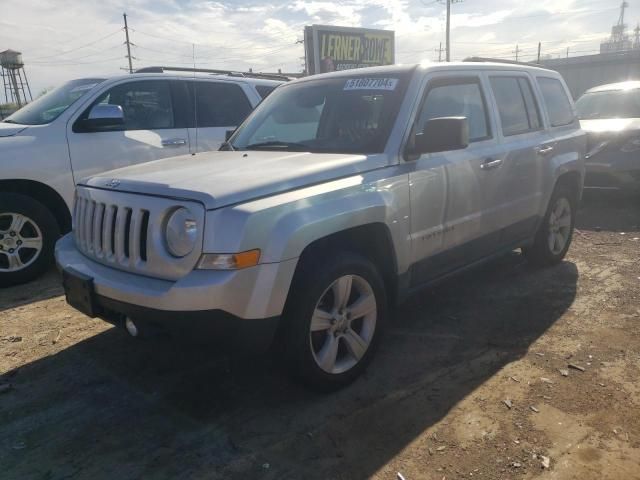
544 149
489 163
174 142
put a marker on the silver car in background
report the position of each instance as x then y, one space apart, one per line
610 114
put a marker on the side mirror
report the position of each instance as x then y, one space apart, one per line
441 135
102 116
227 134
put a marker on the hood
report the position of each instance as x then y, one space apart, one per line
218 179
610 125
11 129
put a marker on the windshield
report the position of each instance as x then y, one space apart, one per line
609 104
352 114
51 105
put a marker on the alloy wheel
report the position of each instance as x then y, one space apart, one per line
559 226
21 241
343 324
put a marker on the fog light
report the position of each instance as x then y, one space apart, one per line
131 327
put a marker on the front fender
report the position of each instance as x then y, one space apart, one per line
283 225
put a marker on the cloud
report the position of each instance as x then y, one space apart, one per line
64 39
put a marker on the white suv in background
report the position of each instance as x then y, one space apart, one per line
88 126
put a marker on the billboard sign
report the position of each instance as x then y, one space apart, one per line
329 48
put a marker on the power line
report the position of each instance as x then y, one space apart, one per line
101 52
62 63
80 47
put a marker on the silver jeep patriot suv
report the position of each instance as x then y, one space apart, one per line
340 195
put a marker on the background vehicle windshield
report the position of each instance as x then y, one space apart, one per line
351 114
609 104
51 105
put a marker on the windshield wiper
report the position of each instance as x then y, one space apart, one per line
8 120
277 144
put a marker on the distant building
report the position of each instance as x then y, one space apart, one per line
582 73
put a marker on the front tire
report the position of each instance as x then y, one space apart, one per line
333 319
553 239
28 232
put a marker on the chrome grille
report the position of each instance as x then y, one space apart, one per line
124 231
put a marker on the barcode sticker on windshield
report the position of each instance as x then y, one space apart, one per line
371 84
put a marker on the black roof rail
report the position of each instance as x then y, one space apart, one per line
501 60
231 73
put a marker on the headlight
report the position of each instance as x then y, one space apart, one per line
596 149
181 232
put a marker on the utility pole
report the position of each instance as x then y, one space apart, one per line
539 49
439 50
448 30
517 51
449 2
126 33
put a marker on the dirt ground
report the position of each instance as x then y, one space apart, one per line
87 401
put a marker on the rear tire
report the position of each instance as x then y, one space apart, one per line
28 232
553 238
332 321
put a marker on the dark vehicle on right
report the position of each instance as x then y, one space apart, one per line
610 114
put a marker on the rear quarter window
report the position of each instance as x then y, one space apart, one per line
264 90
557 102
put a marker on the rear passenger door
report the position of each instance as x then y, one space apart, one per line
523 144
219 107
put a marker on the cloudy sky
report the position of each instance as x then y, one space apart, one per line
64 39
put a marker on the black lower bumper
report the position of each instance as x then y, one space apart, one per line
210 326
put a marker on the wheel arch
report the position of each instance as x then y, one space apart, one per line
372 240
44 194
572 180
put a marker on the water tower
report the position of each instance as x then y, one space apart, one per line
14 78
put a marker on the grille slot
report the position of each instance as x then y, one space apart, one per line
144 230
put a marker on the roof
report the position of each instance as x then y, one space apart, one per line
199 76
628 85
406 68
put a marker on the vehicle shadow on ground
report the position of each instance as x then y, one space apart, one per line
603 210
112 407
46 287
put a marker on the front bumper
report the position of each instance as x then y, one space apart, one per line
615 170
251 294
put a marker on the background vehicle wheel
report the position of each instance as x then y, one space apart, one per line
554 235
333 319
28 232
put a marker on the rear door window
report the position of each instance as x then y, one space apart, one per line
557 102
516 104
220 104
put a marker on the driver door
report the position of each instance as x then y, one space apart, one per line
149 132
449 227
